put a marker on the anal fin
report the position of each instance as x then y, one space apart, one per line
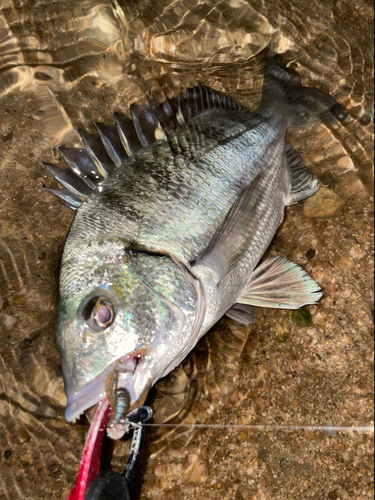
303 184
242 313
281 284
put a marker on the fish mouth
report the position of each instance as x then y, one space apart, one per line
133 375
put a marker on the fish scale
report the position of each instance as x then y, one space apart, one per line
170 239
206 209
263 227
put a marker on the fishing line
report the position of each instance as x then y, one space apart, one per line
289 428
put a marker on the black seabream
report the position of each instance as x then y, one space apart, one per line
174 209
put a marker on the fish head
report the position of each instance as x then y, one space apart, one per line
122 309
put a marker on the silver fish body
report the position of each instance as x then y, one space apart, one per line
168 242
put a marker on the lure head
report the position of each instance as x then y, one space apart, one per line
125 309
119 399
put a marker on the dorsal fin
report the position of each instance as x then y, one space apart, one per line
115 143
73 183
66 197
112 143
146 124
98 153
128 134
164 113
82 164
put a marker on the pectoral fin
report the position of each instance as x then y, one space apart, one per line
282 284
233 237
243 313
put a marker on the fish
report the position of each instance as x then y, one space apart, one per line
175 207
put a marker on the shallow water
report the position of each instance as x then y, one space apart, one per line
66 64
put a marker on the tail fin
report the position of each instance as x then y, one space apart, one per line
304 105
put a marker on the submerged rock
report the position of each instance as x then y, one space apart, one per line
302 317
324 203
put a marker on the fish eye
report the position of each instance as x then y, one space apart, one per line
99 313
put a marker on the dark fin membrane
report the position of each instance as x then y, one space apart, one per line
102 154
98 153
82 165
303 184
276 73
205 98
112 143
176 111
192 101
146 124
128 134
164 113
67 198
183 109
69 180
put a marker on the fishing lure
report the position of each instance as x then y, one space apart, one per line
111 484
119 400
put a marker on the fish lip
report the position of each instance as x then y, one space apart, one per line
93 393
137 382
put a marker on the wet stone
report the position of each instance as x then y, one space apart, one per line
4 231
333 495
285 465
310 253
302 317
277 243
7 137
25 344
34 335
324 203
9 321
27 458
365 119
54 469
283 338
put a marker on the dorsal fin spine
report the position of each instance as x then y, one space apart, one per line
74 168
98 153
115 143
128 134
